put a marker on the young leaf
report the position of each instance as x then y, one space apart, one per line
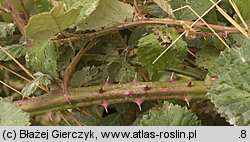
16 50
30 88
169 115
150 48
42 26
12 116
108 13
43 57
230 92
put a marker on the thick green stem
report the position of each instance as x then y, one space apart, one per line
117 93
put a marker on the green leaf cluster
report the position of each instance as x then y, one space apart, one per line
169 115
230 93
152 45
12 116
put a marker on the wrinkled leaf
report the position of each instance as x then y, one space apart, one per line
243 6
16 50
30 88
231 91
12 116
164 5
43 57
108 13
169 115
151 46
206 57
83 76
125 73
42 26
199 6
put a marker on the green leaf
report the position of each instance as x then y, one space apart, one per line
42 26
6 29
124 74
164 5
42 6
135 36
231 91
16 50
30 88
243 6
87 7
199 6
108 13
207 56
150 48
43 57
169 115
87 116
83 76
12 116
114 119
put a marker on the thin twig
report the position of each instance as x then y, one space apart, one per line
238 13
2 9
69 70
24 10
10 87
143 74
230 19
73 118
18 20
15 15
18 63
138 9
185 32
149 21
204 23
64 119
22 77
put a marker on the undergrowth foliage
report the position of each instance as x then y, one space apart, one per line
101 62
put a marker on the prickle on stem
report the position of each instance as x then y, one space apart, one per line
105 106
214 78
107 82
128 93
138 103
189 84
101 91
187 100
135 80
172 79
49 114
146 88
69 100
